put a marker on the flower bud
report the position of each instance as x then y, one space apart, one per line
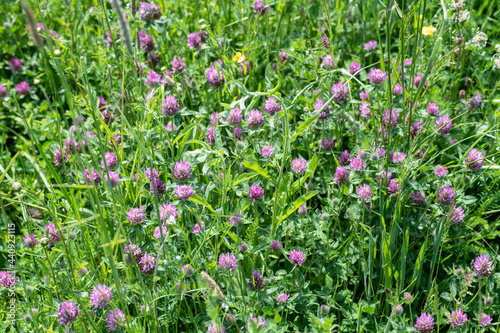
325 308
302 211
16 187
72 235
240 145
57 53
210 174
398 310
44 241
28 318
29 290
325 216
488 301
169 80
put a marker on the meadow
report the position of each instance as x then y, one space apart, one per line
238 166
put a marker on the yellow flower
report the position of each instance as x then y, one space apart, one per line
421 16
428 31
239 57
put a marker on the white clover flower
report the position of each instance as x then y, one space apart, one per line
478 41
463 16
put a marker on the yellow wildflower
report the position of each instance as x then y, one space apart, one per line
239 57
428 31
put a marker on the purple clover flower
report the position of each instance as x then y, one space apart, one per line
67 312
267 151
365 110
258 7
178 64
475 102
297 257
328 144
364 96
147 264
23 88
194 41
155 79
344 158
169 106
341 176
256 282
271 106
182 171
371 45
215 76
299 166
184 192
354 68
115 320
340 92
255 193
238 133
325 113
52 234
211 135
114 179
440 171
110 160
357 164
91 177
425 323
149 11
30 241
136 215
474 160
157 234
365 192
446 195
7 280
276 246
433 109
417 197
458 318
255 119
235 117
15 65
398 90
3 91
377 76
390 118
282 298
483 266
228 261
485 320
236 218
101 296
147 42
456 214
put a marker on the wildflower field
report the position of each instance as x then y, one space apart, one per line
237 166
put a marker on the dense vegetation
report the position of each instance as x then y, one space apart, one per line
230 166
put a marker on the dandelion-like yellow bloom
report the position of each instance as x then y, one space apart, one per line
428 31
239 57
